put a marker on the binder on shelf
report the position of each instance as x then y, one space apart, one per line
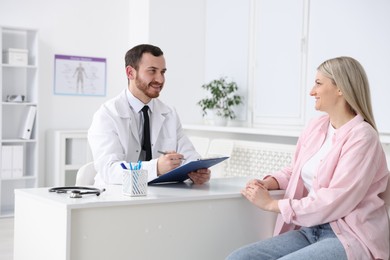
28 123
12 161
6 161
17 161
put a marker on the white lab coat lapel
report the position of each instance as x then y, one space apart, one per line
124 111
133 128
157 119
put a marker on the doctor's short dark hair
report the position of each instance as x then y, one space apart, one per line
134 55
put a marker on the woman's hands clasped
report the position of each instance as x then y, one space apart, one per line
256 191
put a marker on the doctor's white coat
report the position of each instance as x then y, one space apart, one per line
113 138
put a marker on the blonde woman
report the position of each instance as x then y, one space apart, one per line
331 208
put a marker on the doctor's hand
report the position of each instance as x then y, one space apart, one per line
256 193
200 176
168 161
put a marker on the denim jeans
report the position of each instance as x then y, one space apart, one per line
318 242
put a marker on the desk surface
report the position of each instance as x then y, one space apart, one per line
196 221
215 189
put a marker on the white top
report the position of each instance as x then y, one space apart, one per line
309 170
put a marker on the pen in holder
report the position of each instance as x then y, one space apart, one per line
135 182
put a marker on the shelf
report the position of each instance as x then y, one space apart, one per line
18 103
73 167
19 66
243 130
18 80
24 178
384 137
7 213
18 140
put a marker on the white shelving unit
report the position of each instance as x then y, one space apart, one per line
68 150
16 79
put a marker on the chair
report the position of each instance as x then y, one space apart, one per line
201 144
220 147
86 175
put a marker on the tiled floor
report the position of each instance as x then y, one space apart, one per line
6 238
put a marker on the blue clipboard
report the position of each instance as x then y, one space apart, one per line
180 173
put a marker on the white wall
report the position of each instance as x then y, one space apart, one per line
104 28
178 27
107 29
360 29
94 28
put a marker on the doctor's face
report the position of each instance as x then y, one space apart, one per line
150 76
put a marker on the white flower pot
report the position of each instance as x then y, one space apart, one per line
220 121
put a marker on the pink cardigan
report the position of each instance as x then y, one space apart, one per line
347 184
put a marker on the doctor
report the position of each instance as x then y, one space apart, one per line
116 134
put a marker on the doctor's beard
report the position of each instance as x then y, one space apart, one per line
148 89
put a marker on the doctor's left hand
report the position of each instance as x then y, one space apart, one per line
200 176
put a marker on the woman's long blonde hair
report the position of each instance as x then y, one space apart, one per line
349 75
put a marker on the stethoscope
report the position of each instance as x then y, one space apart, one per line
77 192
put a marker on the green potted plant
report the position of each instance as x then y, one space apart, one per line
221 100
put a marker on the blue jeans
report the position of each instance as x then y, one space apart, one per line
318 242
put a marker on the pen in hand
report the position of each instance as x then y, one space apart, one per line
165 153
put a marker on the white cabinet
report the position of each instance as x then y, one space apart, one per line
268 61
18 78
280 38
287 40
67 151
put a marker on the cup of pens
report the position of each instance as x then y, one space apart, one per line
135 180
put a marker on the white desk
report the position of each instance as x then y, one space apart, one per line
176 221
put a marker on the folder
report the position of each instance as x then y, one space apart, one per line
180 173
17 161
28 122
12 162
6 161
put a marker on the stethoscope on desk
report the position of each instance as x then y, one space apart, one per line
77 192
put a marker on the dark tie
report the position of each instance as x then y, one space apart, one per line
146 144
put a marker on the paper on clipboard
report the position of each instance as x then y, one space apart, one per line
180 173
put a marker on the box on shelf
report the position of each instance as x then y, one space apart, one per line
17 161
15 57
6 161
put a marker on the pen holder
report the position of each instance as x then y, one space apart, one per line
135 182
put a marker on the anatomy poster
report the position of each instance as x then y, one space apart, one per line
75 75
